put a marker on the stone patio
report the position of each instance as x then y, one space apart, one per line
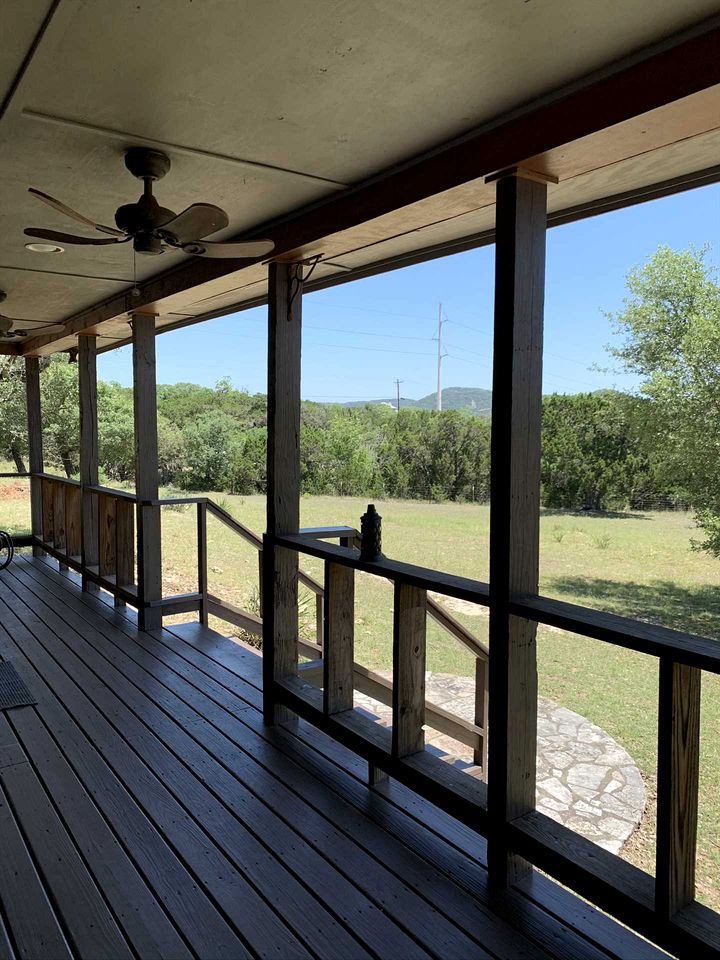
585 780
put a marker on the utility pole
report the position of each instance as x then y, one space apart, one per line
397 385
438 405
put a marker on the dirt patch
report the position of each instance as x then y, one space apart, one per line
14 491
461 606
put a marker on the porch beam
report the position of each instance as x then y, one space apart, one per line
521 212
280 574
674 69
89 456
146 470
35 445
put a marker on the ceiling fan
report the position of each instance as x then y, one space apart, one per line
7 325
151 227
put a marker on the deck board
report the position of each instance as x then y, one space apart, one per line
195 830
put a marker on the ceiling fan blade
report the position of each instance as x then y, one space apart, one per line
57 237
195 222
44 327
69 212
245 250
27 331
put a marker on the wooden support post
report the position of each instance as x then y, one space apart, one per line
202 562
35 446
521 214
408 700
146 470
678 775
338 652
280 566
87 383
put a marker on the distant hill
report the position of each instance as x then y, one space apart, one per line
471 399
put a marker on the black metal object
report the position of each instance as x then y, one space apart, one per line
7 549
371 535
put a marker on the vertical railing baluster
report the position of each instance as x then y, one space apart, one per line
107 566
678 776
409 640
59 520
124 545
47 510
202 561
481 712
320 620
338 650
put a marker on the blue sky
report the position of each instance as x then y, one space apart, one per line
359 337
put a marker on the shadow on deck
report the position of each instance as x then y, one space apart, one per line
145 810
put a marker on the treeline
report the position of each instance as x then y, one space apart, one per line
598 449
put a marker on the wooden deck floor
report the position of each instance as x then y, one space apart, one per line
146 811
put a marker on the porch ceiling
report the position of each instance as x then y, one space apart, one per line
266 108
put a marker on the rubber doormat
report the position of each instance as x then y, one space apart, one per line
13 692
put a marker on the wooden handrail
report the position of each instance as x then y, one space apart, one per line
111 492
330 533
224 517
462 588
55 477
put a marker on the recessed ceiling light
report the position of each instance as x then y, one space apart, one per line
44 248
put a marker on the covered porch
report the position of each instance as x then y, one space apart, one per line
172 793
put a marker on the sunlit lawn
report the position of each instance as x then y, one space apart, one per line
639 565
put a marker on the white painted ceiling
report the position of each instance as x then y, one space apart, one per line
320 94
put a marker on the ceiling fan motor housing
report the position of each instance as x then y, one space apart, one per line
146 164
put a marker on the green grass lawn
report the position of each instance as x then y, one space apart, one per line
638 565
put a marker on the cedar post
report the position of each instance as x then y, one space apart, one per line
146 470
280 566
678 775
521 215
35 446
87 386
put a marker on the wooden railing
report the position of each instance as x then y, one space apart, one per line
117 516
661 907
473 735
110 562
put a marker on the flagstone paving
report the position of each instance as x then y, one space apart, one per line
585 780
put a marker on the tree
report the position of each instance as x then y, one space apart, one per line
61 413
671 325
13 414
208 450
591 458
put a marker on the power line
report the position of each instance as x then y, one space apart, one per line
438 402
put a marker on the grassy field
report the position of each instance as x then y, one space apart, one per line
639 565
